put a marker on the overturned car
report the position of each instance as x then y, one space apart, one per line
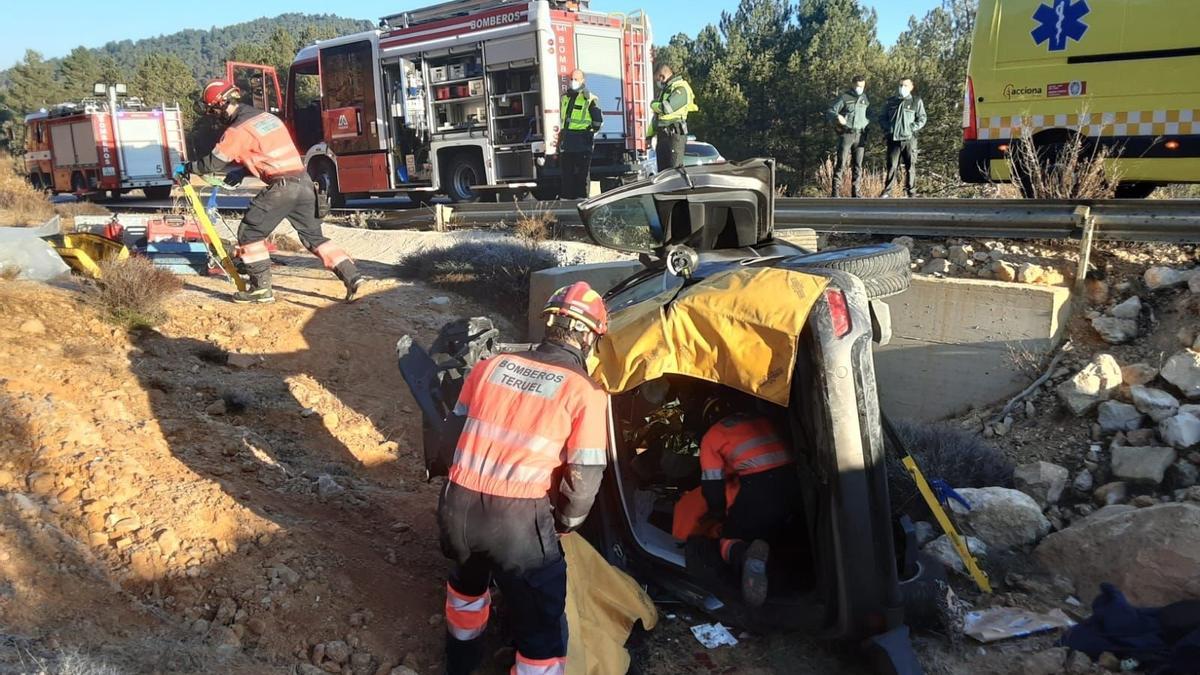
725 310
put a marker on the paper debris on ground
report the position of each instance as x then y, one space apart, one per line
1002 623
713 635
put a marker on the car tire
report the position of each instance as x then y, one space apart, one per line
322 171
464 170
923 594
1135 190
883 268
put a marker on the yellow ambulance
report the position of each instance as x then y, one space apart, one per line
1125 73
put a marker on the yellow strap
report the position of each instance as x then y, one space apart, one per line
960 544
214 240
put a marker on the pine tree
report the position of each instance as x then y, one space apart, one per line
162 78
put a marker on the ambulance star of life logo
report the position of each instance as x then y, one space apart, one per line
1057 22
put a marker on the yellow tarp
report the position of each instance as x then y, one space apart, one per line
738 328
603 603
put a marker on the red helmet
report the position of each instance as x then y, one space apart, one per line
218 93
577 304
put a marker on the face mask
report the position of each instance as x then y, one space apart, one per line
904 91
858 91
576 85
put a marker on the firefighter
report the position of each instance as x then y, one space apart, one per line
848 114
902 118
534 427
261 144
749 448
675 100
582 118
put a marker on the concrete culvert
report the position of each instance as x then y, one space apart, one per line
960 458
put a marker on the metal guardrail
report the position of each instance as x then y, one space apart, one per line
1110 220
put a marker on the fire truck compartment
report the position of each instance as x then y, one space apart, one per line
143 154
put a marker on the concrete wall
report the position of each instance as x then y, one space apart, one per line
953 342
601 276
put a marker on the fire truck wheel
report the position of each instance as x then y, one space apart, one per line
322 171
80 187
158 192
463 171
35 180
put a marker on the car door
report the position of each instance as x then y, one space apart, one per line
704 207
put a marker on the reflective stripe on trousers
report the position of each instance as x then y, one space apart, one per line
524 666
331 254
255 251
466 615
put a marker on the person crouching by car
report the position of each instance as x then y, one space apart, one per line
747 447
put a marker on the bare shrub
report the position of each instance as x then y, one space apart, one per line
285 242
20 203
537 225
496 272
1074 169
81 208
131 292
871 182
942 451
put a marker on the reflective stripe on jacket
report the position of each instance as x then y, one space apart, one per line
527 416
741 445
579 111
260 142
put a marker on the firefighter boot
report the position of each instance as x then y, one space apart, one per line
347 271
259 291
754 573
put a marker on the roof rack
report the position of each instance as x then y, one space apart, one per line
449 10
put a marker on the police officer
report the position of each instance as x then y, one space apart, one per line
675 101
848 114
581 119
261 144
749 448
535 426
902 117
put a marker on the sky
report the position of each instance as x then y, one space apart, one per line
27 26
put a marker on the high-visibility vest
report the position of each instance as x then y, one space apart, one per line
662 115
578 116
262 144
741 445
525 420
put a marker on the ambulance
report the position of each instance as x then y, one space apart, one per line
1121 72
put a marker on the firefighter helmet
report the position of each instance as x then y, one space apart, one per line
219 93
577 304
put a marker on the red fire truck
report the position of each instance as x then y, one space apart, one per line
462 99
104 146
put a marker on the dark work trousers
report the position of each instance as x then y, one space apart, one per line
764 504
670 148
576 173
514 542
850 149
901 150
294 199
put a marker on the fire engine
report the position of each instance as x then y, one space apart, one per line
462 99
102 146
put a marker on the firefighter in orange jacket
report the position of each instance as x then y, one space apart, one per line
526 469
749 448
262 145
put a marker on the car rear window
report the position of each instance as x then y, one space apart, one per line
701 150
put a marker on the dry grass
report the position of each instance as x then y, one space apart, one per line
1074 169
871 184
537 225
286 242
943 451
20 204
132 292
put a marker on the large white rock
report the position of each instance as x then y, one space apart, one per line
943 550
1117 416
1003 518
1142 465
1151 554
1115 331
1156 403
1183 371
1181 431
1157 278
1092 385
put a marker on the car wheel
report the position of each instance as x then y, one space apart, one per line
1135 190
924 593
883 268
322 172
